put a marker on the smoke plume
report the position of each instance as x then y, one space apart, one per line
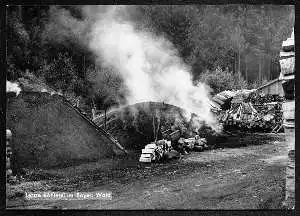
149 64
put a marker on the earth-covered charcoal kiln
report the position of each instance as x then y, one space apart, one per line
133 125
49 132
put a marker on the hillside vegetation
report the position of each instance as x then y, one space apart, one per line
242 42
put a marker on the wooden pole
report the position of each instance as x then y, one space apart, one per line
279 128
153 123
93 109
239 62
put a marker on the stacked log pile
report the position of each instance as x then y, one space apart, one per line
256 112
271 116
220 100
269 108
256 98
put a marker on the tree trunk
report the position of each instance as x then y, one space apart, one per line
263 72
268 68
39 15
270 65
20 12
264 69
235 62
153 123
239 62
259 69
246 72
272 68
233 68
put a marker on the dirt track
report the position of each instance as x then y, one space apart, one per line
250 177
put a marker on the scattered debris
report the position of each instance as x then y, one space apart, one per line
173 154
195 143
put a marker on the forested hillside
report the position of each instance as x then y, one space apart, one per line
241 41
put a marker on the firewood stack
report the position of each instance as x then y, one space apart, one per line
256 98
269 108
249 110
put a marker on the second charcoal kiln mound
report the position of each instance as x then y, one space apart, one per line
136 125
49 132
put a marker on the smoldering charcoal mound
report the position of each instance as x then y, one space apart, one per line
135 125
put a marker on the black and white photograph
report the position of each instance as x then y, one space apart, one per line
150 107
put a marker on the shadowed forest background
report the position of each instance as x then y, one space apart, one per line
227 46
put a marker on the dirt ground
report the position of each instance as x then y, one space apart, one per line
248 177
